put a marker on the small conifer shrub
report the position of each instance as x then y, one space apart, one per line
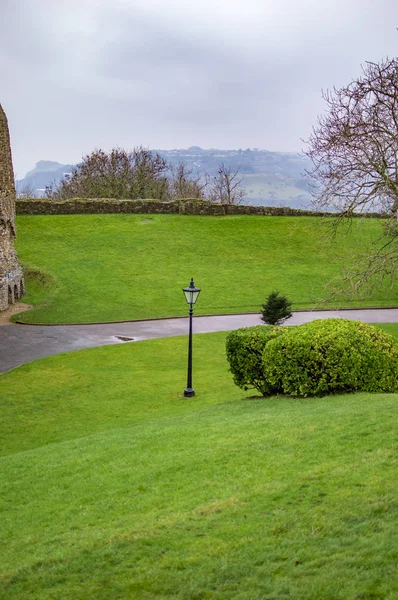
276 309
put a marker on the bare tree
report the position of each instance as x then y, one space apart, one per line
225 187
354 152
52 191
27 190
117 174
149 175
184 184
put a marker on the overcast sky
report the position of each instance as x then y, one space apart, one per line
87 74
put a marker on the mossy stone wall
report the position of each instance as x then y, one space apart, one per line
186 206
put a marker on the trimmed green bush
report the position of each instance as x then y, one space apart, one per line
319 358
329 356
245 349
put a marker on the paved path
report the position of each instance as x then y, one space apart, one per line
20 344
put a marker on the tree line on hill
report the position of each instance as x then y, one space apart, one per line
141 173
270 178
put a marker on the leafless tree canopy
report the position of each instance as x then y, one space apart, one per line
185 184
225 187
144 174
118 174
354 152
26 191
354 148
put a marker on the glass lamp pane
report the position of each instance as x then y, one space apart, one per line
188 295
194 296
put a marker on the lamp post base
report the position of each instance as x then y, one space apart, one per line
189 392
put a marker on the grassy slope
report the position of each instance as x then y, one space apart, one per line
121 267
114 486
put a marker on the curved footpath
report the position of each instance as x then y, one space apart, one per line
20 344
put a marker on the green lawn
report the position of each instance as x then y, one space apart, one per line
115 486
90 268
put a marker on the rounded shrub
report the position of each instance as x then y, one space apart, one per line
329 356
245 349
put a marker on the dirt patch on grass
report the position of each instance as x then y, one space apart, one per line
18 307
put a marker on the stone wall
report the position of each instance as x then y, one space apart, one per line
11 275
186 206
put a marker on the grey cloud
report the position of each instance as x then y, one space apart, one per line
143 44
107 73
24 35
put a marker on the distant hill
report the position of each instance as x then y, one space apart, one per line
270 178
44 173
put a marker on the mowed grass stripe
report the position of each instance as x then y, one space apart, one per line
289 499
115 486
76 394
121 267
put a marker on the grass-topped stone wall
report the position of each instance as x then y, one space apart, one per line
81 206
187 206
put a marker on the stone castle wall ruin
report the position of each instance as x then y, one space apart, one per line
11 275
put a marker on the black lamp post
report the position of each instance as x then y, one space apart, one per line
191 295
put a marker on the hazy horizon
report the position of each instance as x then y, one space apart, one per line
165 150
